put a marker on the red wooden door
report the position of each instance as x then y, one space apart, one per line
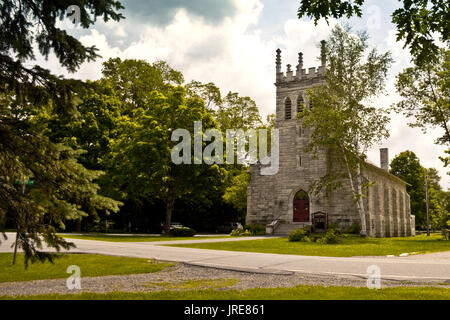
301 210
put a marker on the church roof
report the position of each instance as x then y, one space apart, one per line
385 173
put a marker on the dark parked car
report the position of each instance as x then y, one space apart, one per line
174 225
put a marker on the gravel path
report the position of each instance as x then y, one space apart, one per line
174 278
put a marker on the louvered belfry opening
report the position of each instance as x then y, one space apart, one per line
288 109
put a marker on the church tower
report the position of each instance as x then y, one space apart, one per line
284 197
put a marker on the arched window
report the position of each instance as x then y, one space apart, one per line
300 104
287 109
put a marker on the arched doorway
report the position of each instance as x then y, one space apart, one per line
301 207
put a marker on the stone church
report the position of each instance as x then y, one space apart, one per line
283 202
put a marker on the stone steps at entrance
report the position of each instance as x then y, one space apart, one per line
283 229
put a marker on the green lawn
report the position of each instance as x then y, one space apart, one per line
296 293
124 238
350 246
90 265
194 284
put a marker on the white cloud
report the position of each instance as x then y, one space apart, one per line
303 36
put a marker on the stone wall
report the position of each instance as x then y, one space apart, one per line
387 202
389 208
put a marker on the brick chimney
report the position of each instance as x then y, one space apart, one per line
384 159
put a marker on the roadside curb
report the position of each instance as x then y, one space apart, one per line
241 269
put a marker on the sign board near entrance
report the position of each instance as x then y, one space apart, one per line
319 222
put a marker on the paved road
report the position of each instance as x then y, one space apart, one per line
434 266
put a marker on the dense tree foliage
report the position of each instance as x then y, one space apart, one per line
63 189
27 25
134 80
124 121
236 194
210 94
425 90
230 111
237 112
141 154
407 167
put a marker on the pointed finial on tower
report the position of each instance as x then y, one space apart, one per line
323 56
278 61
299 65
289 68
300 60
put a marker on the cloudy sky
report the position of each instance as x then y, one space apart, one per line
232 43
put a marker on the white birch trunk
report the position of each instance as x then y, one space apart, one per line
357 194
361 207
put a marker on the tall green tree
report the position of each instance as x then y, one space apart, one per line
90 129
63 189
238 112
125 86
236 193
354 75
209 92
407 167
416 20
231 111
123 93
134 80
92 124
141 155
425 92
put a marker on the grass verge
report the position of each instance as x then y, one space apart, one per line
195 284
91 265
296 293
115 238
351 245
